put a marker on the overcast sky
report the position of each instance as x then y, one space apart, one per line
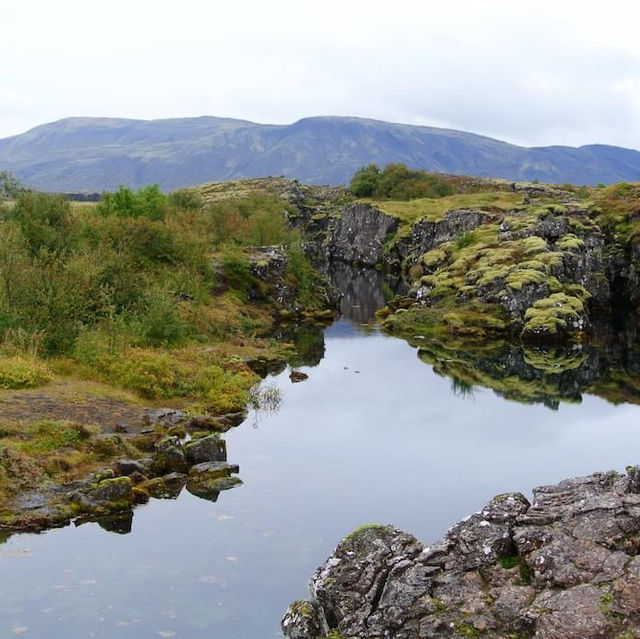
532 73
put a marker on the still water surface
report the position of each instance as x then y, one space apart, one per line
374 435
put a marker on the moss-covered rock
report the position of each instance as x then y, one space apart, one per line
555 317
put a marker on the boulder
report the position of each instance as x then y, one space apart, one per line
169 458
206 449
562 567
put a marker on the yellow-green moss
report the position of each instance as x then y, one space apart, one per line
570 242
550 315
520 277
434 257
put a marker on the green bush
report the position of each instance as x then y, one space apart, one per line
10 186
397 182
186 200
45 222
161 324
365 181
256 220
148 201
21 372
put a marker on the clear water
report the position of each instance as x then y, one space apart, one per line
374 435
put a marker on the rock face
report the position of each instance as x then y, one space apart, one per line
359 235
564 567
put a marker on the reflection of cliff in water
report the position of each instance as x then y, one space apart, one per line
608 367
308 339
364 290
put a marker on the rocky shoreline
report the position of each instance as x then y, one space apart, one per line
565 566
176 451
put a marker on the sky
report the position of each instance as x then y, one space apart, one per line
531 73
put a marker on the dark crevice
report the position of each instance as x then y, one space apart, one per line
379 590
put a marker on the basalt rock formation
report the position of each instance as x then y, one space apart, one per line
537 266
565 566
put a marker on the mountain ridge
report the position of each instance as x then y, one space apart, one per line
93 154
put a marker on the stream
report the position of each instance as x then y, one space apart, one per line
374 435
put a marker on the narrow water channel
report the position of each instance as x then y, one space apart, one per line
374 435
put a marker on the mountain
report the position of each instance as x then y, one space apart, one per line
92 154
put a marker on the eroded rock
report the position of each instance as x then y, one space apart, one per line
563 567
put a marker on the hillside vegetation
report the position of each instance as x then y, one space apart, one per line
150 292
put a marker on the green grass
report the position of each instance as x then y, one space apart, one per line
435 208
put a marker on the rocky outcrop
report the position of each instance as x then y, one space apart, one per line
359 235
566 566
356 233
426 234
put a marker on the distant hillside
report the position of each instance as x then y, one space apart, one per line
92 154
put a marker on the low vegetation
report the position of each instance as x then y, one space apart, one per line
36 452
134 290
159 295
397 182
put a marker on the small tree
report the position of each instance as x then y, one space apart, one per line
149 202
365 181
10 186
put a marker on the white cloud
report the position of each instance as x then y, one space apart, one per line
552 72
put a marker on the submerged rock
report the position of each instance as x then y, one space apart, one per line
564 567
208 479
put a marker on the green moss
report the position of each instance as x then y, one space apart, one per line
434 257
533 245
467 630
606 602
302 607
520 277
552 315
362 530
436 208
509 562
570 242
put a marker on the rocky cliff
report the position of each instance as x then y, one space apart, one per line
564 566
530 262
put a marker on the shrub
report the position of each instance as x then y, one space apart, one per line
255 220
21 372
224 391
236 271
365 181
397 182
304 275
186 199
462 240
148 201
45 222
161 324
10 186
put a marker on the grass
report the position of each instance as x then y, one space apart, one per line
434 209
35 452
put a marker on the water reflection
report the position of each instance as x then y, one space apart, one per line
609 367
364 291
372 435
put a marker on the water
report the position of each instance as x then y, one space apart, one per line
374 435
